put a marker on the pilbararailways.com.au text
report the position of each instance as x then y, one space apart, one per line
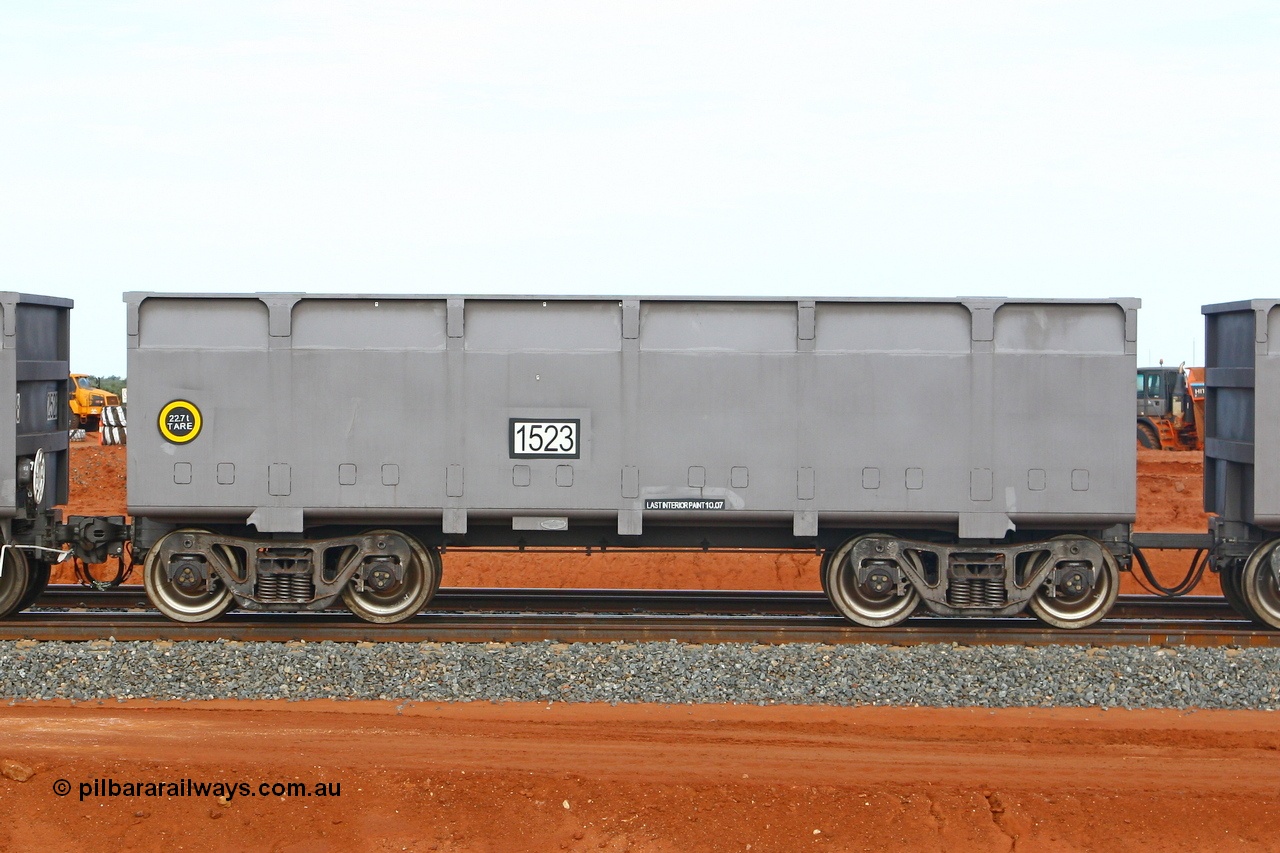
111 788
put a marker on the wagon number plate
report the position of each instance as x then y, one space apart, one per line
545 439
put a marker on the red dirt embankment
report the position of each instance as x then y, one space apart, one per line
1169 500
641 778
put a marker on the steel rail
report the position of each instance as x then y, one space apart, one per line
505 622
764 602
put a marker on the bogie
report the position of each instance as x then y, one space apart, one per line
877 580
383 575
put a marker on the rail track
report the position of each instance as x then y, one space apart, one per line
502 615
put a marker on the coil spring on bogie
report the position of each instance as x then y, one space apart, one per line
977 592
285 588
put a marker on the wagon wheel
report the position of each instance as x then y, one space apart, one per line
1258 587
187 601
859 602
1081 610
1229 580
36 584
1148 437
15 576
405 598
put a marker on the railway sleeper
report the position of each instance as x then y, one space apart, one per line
879 580
383 575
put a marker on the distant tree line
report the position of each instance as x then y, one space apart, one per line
111 384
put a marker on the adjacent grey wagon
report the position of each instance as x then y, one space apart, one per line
34 352
1241 463
973 455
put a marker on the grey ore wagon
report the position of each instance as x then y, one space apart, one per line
34 351
973 455
1241 466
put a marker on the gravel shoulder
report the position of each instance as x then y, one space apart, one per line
677 673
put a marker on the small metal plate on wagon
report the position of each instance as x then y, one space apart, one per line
544 438
180 421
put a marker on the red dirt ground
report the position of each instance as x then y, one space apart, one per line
519 777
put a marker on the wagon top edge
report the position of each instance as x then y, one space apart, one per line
1126 303
1240 305
10 297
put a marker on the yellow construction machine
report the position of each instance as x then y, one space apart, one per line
87 402
1171 407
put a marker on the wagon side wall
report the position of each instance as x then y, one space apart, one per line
973 415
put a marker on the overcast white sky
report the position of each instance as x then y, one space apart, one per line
1046 149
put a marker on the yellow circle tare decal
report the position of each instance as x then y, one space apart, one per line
180 421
